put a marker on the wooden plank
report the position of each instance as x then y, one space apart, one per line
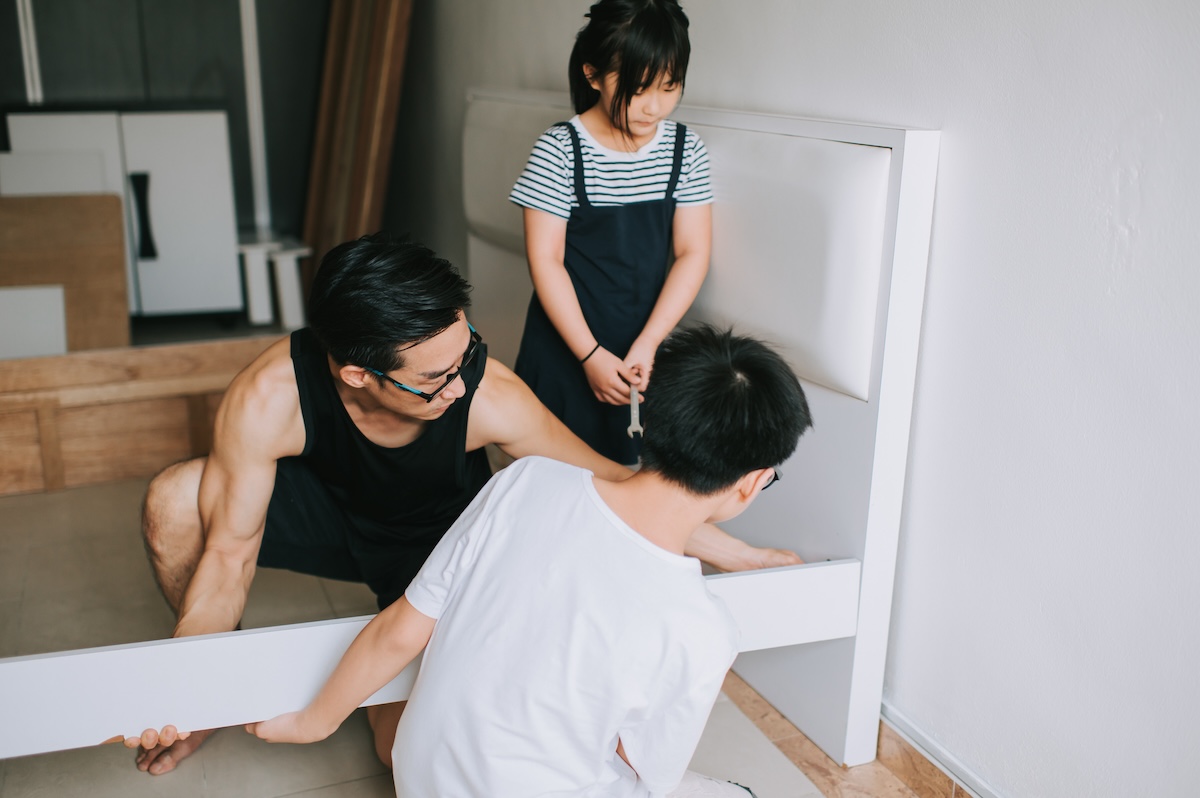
53 473
124 365
103 443
77 242
199 433
20 453
80 698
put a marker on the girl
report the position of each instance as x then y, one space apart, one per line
609 198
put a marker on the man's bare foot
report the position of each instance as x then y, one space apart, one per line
164 758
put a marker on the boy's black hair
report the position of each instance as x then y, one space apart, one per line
639 40
377 294
719 406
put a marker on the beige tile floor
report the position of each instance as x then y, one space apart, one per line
73 575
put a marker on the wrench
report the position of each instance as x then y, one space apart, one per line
635 424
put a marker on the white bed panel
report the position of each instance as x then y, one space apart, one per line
809 212
74 699
821 235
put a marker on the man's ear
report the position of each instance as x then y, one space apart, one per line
355 376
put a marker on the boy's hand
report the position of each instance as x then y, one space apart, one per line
291 727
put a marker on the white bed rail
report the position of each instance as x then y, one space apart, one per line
74 699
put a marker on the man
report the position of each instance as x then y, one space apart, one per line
347 450
608 692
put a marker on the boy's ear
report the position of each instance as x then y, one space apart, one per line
752 484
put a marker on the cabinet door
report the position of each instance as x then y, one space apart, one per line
185 237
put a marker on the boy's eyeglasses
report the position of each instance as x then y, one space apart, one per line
468 356
775 475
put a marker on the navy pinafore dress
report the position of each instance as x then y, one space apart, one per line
617 259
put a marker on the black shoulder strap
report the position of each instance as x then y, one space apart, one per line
677 162
580 188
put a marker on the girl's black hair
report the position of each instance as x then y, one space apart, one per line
639 40
376 295
719 406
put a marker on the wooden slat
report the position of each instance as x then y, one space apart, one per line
131 363
80 698
360 97
50 445
90 417
20 453
76 242
104 443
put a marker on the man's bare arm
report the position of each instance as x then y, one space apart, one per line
258 422
506 412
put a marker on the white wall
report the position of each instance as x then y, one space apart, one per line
1044 630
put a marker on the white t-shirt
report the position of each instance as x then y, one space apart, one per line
560 630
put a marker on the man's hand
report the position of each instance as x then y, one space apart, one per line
292 727
721 550
151 738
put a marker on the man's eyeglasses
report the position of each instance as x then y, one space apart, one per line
775 475
468 356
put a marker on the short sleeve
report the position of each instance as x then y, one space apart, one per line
695 187
433 587
546 184
661 742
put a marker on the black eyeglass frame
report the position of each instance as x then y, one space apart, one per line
468 356
775 477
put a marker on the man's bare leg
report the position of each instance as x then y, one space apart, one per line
383 719
171 528
174 539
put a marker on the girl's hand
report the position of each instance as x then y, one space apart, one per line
608 377
640 361
287 728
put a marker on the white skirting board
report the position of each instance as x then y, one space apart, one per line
74 699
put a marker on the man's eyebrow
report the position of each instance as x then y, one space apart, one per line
432 375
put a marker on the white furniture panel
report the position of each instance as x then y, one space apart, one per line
182 160
33 321
826 233
814 205
33 173
820 243
80 698
191 217
64 134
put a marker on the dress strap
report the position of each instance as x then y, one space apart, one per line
677 162
580 188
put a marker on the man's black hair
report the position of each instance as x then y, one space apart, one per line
639 40
719 406
379 294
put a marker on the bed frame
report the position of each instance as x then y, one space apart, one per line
821 236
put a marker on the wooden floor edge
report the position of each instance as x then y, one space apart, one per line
900 769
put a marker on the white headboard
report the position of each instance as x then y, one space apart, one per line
820 244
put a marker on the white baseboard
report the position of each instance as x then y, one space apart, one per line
936 754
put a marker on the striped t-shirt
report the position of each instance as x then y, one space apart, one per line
611 177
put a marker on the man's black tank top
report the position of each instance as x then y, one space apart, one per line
407 496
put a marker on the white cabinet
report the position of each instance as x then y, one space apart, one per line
172 170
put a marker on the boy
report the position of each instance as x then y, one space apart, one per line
572 648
